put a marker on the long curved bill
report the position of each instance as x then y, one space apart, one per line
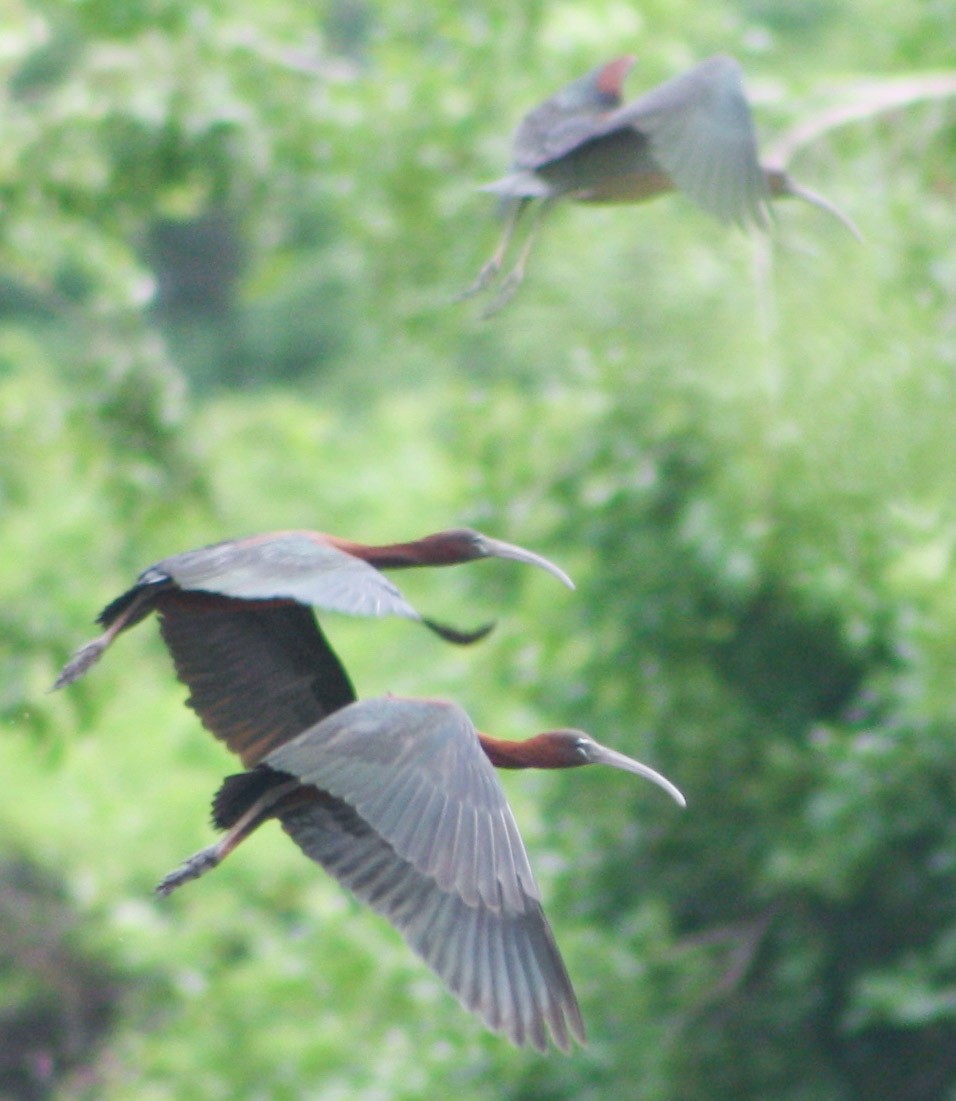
815 199
601 755
495 548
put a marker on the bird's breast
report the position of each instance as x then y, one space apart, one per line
617 167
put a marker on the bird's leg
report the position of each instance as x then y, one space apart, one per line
213 855
493 266
92 651
513 279
87 655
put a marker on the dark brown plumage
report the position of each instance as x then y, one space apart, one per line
398 800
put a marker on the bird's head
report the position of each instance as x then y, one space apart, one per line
574 748
466 545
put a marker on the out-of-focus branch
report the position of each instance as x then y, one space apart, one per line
863 101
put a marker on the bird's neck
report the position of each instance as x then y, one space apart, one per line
389 556
777 181
503 753
530 753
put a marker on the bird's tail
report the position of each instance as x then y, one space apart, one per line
239 793
519 185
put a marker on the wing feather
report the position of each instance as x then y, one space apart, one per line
493 960
387 757
567 120
291 565
258 674
701 131
408 815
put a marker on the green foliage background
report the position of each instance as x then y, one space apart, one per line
231 236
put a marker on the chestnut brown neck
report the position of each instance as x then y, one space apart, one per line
541 751
430 551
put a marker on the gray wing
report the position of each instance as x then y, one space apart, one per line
701 132
257 674
287 566
539 141
502 966
443 860
568 118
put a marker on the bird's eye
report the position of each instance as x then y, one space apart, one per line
581 748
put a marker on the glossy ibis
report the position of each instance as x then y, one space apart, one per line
693 133
269 578
397 800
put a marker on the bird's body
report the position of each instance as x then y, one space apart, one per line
693 133
398 800
288 569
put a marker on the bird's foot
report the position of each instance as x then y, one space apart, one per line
198 864
78 664
484 280
506 291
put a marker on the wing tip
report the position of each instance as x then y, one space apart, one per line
457 637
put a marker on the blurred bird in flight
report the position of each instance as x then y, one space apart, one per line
693 133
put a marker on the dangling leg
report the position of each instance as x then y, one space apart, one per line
513 279
493 266
207 859
92 652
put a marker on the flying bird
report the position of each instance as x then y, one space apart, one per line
397 799
694 133
265 584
